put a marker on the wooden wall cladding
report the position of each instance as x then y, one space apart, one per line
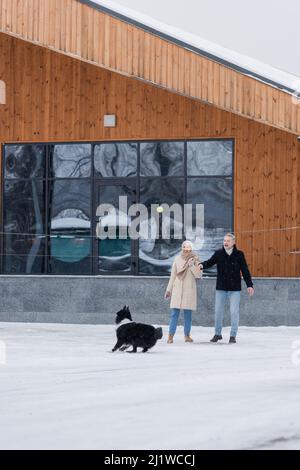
51 97
75 29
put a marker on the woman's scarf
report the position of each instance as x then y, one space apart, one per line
183 271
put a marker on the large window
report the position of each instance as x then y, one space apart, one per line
52 192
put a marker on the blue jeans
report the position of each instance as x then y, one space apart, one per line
174 314
234 300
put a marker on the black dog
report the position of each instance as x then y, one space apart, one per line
137 335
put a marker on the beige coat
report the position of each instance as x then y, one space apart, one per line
183 292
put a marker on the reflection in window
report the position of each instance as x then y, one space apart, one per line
24 222
115 160
25 161
156 255
209 158
70 239
71 161
69 191
115 253
162 159
216 195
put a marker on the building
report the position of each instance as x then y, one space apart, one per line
96 105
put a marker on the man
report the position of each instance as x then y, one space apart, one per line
230 263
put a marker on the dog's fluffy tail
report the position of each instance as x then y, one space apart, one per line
158 333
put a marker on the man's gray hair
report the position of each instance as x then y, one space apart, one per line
231 235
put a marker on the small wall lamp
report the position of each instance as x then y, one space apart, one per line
2 92
109 120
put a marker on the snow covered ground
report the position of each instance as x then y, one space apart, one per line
62 388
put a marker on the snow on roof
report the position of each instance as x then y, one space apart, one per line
242 63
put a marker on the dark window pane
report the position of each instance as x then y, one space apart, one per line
115 160
24 223
162 159
71 161
114 254
157 254
70 240
216 195
25 161
209 158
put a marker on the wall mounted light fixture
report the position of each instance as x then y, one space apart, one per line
109 120
2 92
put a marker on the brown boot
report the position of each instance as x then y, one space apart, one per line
170 339
188 339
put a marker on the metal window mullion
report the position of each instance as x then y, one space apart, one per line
2 210
93 211
46 201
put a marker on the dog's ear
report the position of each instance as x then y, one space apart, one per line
127 308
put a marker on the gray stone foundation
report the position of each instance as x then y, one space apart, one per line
94 300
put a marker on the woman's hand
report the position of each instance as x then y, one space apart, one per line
167 294
191 262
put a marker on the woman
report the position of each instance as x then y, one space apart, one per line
183 290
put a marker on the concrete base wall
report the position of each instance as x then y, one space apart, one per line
95 300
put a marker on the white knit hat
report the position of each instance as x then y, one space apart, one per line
187 242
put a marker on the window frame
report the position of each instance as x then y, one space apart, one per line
96 179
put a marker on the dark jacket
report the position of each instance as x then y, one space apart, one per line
229 269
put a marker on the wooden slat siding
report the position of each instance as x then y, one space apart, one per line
96 38
198 76
271 197
251 164
227 88
175 68
186 74
84 33
139 48
125 68
181 71
216 86
14 15
91 26
257 201
204 91
57 98
135 53
164 64
271 206
151 58
283 198
289 198
277 204
157 61
292 200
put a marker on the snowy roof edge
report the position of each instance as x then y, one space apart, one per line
122 15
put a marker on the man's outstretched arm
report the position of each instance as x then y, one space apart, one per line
210 262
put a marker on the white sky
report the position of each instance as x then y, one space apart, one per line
267 30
